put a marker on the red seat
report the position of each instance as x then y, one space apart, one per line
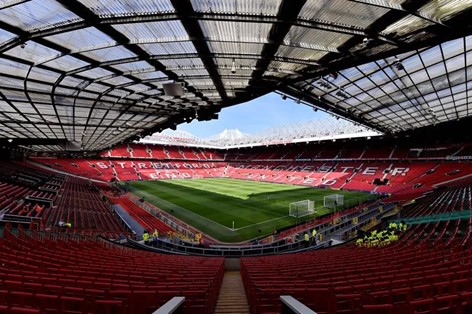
22 310
347 303
421 306
109 307
72 304
320 299
47 301
3 296
448 304
20 298
378 309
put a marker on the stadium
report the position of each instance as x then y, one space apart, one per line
107 208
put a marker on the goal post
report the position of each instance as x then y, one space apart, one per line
333 201
301 208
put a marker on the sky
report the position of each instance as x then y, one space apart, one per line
254 116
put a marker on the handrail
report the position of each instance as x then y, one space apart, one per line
171 306
453 215
292 305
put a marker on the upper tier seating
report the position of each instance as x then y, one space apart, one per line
80 275
125 169
352 175
155 151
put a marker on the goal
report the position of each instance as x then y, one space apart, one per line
333 201
301 208
197 177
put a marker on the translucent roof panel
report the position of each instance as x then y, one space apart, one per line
340 12
66 63
442 10
240 6
109 8
132 66
300 53
32 51
169 48
5 35
407 25
153 31
236 32
236 47
36 14
183 63
81 39
314 39
109 53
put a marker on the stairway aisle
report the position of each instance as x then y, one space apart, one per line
232 298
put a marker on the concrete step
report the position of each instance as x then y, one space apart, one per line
232 298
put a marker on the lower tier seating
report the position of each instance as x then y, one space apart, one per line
143 217
85 275
405 277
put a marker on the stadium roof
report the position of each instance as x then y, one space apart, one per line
91 73
327 129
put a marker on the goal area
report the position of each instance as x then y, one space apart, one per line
333 201
301 208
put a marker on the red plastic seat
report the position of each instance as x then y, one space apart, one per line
22 310
421 306
20 298
378 309
109 307
68 304
47 301
448 304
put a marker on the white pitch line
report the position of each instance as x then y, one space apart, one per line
189 211
263 222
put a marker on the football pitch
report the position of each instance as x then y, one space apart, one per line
256 208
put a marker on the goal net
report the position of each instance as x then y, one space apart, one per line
301 208
334 201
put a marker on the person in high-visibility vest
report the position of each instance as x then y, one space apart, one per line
155 237
307 239
146 237
403 226
313 236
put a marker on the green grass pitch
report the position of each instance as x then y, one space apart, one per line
257 208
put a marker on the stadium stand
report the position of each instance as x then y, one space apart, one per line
404 277
81 204
143 217
52 273
52 197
